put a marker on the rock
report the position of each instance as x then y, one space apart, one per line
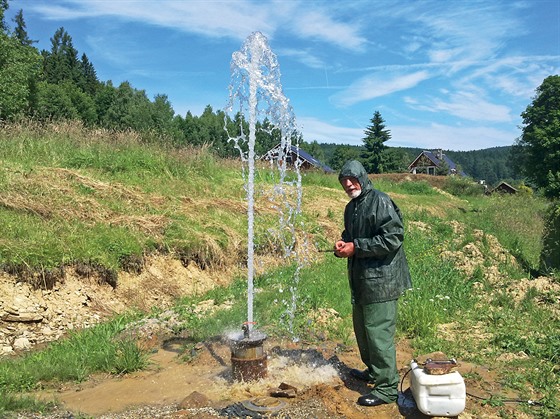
11 310
194 400
21 343
23 317
284 390
46 331
6 350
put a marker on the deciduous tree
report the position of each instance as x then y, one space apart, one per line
19 68
342 154
537 151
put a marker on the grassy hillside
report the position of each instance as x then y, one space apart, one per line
104 200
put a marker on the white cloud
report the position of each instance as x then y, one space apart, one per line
218 19
316 24
305 57
377 85
517 76
210 18
315 130
468 105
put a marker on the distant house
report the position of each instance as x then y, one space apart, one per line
307 161
432 162
503 187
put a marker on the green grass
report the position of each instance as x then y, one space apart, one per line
126 199
101 348
517 221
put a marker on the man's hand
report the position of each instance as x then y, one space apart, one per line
344 249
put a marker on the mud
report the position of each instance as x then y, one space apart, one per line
199 384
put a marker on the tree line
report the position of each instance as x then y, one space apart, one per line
61 84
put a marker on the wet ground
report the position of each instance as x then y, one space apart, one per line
199 384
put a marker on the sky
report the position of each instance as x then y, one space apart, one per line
452 75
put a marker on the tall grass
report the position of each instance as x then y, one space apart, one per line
72 195
517 220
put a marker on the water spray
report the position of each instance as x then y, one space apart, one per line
256 88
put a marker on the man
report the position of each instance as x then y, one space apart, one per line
378 274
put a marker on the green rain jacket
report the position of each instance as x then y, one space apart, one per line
378 270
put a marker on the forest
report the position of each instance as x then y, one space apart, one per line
491 164
62 84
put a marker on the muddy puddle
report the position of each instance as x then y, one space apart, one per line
198 383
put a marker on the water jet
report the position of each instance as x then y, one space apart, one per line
256 90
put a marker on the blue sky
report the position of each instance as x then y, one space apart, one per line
444 74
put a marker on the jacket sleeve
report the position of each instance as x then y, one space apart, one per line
387 232
345 236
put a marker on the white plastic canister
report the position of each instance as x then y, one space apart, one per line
437 395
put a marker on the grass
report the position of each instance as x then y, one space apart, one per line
517 221
71 196
102 348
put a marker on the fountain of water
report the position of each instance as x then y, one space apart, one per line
256 89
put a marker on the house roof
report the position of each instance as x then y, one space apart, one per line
504 187
437 161
302 155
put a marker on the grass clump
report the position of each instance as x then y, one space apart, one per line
101 348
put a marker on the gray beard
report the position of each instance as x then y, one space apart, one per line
354 194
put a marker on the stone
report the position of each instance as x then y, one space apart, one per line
23 317
6 350
195 400
21 343
11 310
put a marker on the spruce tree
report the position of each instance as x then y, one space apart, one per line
89 82
20 32
373 157
61 62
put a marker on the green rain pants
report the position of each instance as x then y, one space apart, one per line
374 326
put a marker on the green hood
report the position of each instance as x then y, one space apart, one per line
354 168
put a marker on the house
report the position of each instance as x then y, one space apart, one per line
504 187
432 162
307 161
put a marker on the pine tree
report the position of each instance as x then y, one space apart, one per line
61 63
89 82
20 32
373 157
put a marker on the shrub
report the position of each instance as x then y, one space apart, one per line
550 255
462 186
